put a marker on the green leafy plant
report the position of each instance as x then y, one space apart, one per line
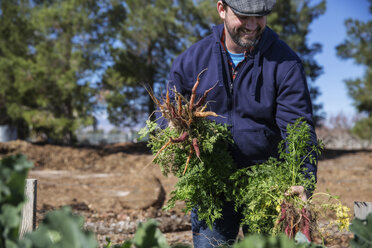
147 235
260 190
60 229
13 172
195 150
206 183
362 230
126 244
279 241
263 192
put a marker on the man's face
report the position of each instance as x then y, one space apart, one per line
242 30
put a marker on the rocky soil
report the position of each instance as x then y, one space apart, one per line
115 186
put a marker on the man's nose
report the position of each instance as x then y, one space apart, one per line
251 23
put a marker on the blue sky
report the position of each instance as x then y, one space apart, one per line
329 30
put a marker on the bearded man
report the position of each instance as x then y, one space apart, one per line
260 87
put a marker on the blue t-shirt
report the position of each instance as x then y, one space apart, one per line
236 58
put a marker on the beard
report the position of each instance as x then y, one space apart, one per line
237 35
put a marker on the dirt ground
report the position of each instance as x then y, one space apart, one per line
116 186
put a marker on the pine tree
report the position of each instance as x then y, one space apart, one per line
358 46
16 35
54 49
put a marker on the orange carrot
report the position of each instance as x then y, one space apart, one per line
202 109
179 103
187 161
168 99
205 114
196 147
182 138
202 99
193 91
161 149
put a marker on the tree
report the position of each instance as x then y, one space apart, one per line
358 46
153 33
16 35
291 19
66 51
51 89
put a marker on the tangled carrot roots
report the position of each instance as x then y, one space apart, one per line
181 114
294 220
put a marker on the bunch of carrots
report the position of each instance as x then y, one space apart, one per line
181 114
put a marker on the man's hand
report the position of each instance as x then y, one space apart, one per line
297 190
171 124
304 216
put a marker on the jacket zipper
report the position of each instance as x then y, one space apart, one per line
230 89
234 73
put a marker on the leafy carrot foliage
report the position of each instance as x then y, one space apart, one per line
206 184
195 149
260 190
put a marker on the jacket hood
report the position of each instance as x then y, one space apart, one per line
268 38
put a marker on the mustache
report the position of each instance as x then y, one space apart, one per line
244 30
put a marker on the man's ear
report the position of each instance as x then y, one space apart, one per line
221 10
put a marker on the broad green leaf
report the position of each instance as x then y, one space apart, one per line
362 230
149 236
62 229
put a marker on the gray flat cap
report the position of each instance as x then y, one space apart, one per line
251 7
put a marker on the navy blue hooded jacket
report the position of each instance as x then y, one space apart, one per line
269 91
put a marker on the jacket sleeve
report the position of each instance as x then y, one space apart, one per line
293 102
